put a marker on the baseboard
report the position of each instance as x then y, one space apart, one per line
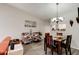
75 48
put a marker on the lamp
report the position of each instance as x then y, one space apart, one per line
57 18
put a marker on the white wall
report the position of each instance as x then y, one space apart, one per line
74 30
12 22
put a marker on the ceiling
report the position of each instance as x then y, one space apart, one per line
45 10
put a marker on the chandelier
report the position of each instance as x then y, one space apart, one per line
57 18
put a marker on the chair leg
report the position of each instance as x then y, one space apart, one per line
52 50
45 49
61 50
57 51
66 51
70 51
44 46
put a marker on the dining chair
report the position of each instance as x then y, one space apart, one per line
67 45
49 43
53 45
45 40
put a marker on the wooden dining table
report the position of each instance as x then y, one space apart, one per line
58 40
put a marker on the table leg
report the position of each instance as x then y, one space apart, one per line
59 48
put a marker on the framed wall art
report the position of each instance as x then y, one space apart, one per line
29 23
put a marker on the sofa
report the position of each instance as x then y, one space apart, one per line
33 37
4 45
37 37
26 38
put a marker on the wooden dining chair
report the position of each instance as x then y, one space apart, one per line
49 43
45 40
67 45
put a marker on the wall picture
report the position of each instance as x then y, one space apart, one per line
29 23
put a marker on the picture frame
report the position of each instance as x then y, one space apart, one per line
29 23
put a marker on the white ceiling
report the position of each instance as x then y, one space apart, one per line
45 10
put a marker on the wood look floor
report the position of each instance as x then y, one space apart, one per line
38 49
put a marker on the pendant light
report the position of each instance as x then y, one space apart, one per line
57 18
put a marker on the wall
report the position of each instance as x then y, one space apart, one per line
74 30
12 22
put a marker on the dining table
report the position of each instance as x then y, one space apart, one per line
58 40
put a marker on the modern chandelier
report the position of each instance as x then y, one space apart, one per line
57 18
